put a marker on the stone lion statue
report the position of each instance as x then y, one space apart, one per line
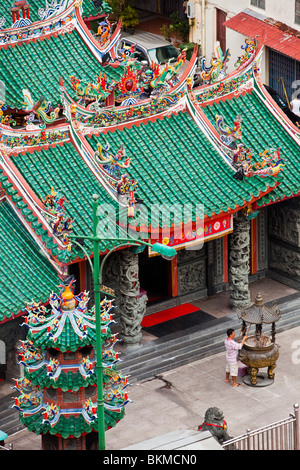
215 423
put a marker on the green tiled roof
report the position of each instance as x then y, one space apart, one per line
36 66
262 131
87 6
68 339
69 425
174 162
64 170
25 273
6 11
66 381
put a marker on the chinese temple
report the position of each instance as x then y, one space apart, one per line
80 116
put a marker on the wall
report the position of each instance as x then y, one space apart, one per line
284 242
277 9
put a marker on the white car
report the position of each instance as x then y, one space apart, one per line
150 47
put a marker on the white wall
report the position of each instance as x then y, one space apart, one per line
280 10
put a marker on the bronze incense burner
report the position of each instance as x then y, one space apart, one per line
259 350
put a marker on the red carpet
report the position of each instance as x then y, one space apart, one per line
168 314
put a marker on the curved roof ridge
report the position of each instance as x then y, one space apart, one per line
125 116
207 128
15 141
273 107
233 81
33 203
61 23
92 43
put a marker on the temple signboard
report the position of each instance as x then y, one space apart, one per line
208 230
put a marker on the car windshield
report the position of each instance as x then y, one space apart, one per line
163 54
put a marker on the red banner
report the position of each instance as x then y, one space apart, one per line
189 235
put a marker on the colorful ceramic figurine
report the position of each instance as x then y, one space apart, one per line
217 68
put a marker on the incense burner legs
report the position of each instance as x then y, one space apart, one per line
258 358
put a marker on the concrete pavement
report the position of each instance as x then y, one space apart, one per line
179 398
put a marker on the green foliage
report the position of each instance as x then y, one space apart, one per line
166 30
117 6
180 27
130 17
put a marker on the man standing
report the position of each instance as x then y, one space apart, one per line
295 106
232 349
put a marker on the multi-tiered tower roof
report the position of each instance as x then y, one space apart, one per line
58 393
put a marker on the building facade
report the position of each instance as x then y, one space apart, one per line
224 146
219 21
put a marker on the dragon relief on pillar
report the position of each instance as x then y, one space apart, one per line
133 305
239 264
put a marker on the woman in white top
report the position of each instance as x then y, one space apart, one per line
295 106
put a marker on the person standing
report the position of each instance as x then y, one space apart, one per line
232 350
295 106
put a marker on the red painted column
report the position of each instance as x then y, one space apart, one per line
110 100
82 275
174 277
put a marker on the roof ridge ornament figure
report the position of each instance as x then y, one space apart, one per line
124 186
20 22
55 214
40 108
53 8
271 165
88 91
218 65
249 47
104 32
229 136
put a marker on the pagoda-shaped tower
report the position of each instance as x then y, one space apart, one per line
58 393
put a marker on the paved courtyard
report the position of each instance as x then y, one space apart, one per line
179 399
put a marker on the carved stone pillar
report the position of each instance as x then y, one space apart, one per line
132 304
239 267
284 242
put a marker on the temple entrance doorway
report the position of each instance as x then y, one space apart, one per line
154 273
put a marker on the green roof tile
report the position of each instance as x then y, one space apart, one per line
25 271
36 66
174 162
66 381
88 7
262 131
64 170
69 425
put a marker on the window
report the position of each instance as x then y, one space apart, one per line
297 11
163 54
259 3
